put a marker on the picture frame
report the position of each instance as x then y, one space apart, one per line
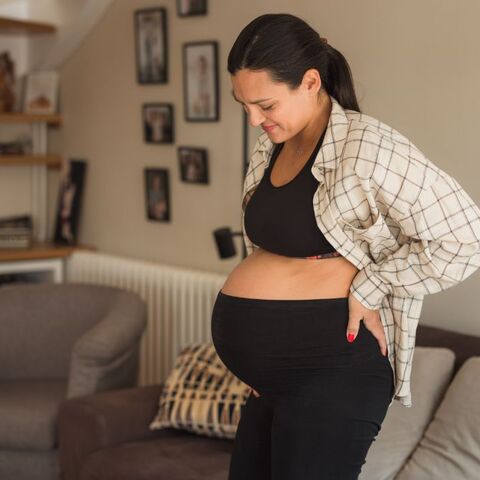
72 180
151 45
193 164
41 92
190 8
157 194
158 123
200 81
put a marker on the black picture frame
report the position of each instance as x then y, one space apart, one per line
193 164
69 201
200 81
190 8
157 194
151 45
158 122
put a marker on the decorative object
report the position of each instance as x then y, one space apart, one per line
193 164
7 83
200 77
190 8
16 231
157 194
201 395
21 146
151 45
69 202
158 122
41 93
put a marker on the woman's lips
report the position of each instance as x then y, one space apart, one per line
268 128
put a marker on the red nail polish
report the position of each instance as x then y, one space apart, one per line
351 337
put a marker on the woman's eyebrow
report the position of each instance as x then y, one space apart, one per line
256 101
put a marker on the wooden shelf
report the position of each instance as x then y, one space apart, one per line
41 250
13 25
51 161
19 117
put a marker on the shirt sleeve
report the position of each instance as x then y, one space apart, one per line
443 225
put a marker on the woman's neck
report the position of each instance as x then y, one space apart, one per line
309 135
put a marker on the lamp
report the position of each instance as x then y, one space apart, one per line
224 241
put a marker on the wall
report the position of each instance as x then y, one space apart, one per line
415 67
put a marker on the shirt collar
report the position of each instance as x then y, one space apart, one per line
333 142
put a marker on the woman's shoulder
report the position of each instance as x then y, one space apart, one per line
386 160
381 134
378 151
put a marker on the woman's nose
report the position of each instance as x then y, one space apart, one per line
256 118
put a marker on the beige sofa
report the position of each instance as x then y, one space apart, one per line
106 435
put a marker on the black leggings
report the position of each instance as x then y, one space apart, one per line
322 399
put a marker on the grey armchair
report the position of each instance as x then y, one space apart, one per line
59 341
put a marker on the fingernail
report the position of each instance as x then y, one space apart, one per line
350 337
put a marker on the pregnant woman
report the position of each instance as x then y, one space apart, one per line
327 225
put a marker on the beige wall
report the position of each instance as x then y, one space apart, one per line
415 67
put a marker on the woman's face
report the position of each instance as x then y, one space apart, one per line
274 104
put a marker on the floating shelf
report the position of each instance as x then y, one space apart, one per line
13 25
40 250
19 117
51 161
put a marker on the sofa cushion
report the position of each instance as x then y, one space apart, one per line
201 395
28 411
180 456
450 447
403 427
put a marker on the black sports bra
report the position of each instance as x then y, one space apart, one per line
281 219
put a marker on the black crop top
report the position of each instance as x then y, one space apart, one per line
281 219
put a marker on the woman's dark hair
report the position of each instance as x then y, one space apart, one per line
286 47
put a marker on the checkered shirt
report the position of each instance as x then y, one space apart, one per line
408 226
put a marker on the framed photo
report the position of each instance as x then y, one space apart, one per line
200 77
189 8
157 194
151 45
69 201
7 82
41 92
158 122
193 164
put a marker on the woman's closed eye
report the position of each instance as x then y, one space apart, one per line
263 108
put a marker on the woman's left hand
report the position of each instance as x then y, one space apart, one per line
371 320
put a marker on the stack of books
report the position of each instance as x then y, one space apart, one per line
16 232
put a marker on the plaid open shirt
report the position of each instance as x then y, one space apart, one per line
408 226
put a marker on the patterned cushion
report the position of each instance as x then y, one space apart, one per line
201 395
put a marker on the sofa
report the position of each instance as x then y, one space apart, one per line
106 435
59 341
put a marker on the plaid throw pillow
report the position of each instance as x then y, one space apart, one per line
201 395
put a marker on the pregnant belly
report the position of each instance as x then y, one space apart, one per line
270 276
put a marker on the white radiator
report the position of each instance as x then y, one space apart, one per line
179 303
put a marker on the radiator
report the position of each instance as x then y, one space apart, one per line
179 303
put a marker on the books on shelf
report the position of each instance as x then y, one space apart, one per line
16 231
